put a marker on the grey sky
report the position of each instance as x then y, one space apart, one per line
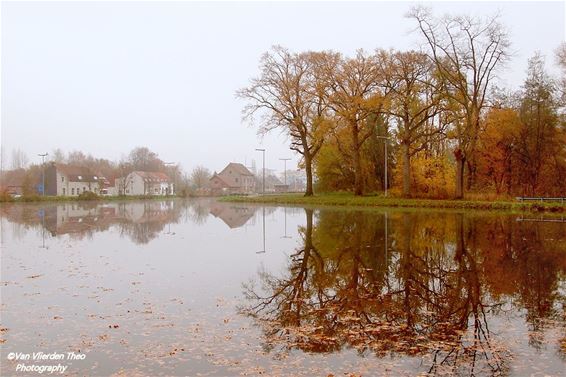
106 77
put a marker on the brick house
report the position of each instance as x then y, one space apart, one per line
235 178
69 180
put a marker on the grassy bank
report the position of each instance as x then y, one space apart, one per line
350 200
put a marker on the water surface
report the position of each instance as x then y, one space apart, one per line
206 288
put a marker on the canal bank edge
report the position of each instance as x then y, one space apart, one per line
349 200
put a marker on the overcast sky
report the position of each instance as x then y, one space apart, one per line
105 77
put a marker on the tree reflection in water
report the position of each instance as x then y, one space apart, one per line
431 295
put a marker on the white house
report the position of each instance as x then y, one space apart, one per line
145 183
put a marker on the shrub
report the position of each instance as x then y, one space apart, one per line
30 197
431 177
6 197
88 195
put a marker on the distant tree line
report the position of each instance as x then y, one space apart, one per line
138 159
449 129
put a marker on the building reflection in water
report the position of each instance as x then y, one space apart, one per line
141 221
233 215
414 284
408 283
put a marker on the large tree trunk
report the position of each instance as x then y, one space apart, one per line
460 165
308 168
406 170
471 155
358 178
471 173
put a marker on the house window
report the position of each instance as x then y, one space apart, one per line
62 179
84 189
73 191
63 191
236 180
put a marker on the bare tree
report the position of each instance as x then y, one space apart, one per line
76 158
285 94
19 159
561 60
466 52
199 177
142 158
57 155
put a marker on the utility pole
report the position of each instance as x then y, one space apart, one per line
285 169
385 140
263 170
43 171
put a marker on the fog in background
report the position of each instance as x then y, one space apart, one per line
106 77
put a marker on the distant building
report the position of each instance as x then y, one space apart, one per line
235 178
69 180
145 183
296 180
12 182
274 184
107 186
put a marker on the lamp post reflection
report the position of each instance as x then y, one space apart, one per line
42 214
386 236
285 222
263 227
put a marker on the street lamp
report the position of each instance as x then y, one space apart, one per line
43 171
263 170
285 169
385 139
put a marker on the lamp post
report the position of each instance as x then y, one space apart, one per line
385 139
263 170
43 172
285 169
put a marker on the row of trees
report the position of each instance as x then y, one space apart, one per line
436 108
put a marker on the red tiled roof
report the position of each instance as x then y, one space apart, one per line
216 176
152 176
77 173
232 171
238 168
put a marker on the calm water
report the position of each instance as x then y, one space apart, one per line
205 288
